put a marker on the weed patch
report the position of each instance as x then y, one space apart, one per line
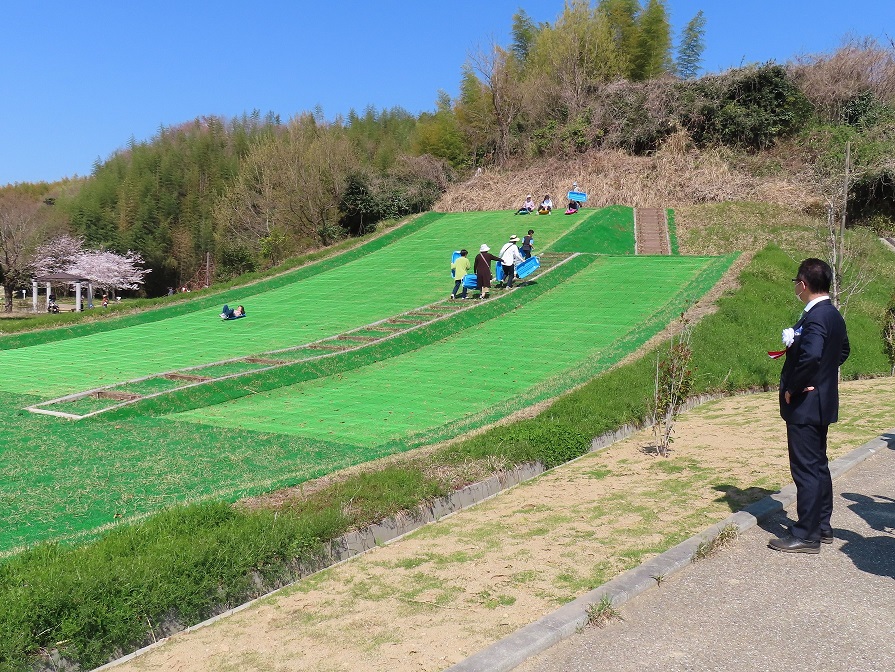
723 539
602 613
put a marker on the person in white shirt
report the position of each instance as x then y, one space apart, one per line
546 204
509 257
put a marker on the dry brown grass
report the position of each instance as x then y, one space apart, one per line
858 66
719 228
675 176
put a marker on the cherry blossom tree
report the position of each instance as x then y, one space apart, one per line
110 271
107 270
57 255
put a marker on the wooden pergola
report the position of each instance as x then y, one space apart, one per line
64 278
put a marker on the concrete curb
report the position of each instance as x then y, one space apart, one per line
537 637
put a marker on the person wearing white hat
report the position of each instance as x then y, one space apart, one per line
573 205
483 270
527 207
509 257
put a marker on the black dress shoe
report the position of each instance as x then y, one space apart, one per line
826 536
792 544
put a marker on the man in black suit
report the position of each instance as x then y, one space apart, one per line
809 401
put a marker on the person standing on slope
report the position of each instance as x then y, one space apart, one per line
483 270
460 267
509 257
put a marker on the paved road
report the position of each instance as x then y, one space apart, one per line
752 609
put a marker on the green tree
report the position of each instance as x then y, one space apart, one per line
576 55
157 197
653 53
287 193
622 18
474 116
524 31
690 48
439 134
381 137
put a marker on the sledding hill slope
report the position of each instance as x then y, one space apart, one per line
535 351
73 480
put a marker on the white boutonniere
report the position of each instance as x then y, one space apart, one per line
789 336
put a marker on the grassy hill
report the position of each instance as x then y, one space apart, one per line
245 435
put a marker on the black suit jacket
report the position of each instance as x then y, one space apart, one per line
813 360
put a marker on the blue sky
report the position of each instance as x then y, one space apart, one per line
79 79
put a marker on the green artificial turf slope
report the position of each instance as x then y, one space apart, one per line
63 481
606 231
558 337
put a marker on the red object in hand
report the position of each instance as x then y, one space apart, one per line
774 354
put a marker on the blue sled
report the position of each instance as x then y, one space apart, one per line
527 267
456 255
579 196
470 281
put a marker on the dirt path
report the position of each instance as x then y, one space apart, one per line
427 601
651 227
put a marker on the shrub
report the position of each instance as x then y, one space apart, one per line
889 334
746 108
412 186
178 566
635 117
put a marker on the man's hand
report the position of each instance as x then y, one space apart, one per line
787 396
